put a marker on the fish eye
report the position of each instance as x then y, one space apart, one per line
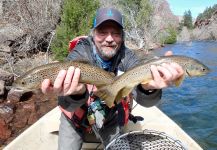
22 82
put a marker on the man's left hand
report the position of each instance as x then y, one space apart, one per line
164 75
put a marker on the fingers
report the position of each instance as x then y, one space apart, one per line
179 69
158 74
68 79
155 73
58 83
66 83
74 87
168 53
76 77
164 75
46 86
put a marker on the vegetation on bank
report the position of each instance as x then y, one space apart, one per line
76 19
208 12
171 37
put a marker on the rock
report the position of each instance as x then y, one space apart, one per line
205 29
153 46
6 112
5 132
10 32
5 49
14 96
7 77
184 36
23 112
33 118
6 116
2 87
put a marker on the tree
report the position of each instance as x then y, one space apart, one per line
76 19
207 14
188 19
137 15
171 37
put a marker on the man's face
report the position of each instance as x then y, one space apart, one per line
108 39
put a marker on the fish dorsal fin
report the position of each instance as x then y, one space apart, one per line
84 61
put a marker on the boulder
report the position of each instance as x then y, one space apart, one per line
184 35
2 87
6 116
7 77
5 132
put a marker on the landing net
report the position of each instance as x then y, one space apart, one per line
145 140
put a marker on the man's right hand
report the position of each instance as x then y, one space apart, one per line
66 83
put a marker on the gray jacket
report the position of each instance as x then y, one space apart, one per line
123 61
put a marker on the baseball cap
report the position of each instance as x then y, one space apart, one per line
104 14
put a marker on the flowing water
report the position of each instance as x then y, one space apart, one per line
193 105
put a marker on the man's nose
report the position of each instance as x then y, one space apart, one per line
109 38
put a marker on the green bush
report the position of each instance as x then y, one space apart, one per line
76 19
171 36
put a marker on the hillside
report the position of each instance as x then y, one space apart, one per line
205 29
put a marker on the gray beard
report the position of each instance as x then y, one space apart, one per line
107 54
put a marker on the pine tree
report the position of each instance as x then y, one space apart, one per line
188 19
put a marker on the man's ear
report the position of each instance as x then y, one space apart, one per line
123 35
91 33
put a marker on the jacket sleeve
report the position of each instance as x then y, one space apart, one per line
70 103
142 97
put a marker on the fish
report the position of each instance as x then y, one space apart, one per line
90 74
141 74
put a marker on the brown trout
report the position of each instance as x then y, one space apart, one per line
125 83
90 74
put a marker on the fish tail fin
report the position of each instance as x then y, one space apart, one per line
107 94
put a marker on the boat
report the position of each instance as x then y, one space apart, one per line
42 134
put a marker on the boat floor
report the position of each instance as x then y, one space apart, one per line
42 134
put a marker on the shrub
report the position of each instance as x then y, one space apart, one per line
171 36
76 19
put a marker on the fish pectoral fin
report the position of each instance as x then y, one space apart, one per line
179 81
123 93
106 94
144 82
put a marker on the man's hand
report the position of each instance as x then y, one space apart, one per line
164 75
66 83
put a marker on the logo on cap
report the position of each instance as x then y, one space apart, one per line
109 13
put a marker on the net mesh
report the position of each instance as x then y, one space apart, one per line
145 140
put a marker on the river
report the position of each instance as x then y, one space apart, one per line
193 105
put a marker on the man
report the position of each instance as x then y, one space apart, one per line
105 48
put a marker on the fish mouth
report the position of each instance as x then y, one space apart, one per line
195 73
17 88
